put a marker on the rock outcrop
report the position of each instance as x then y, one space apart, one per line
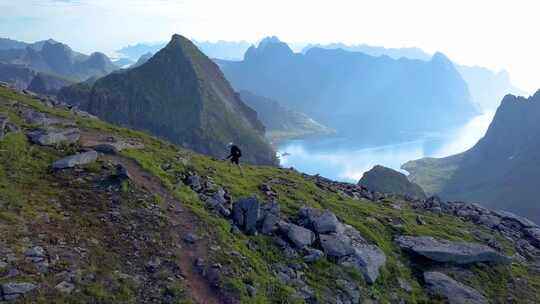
386 180
441 285
451 252
75 160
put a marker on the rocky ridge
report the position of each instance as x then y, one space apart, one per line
273 235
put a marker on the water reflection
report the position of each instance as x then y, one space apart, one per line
345 159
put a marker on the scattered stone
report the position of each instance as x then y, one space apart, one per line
350 288
65 287
252 291
52 136
336 245
191 238
322 221
451 252
194 181
299 236
246 214
368 259
439 284
12 291
403 284
313 255
75 160
508 216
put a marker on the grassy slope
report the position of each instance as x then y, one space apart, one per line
25 186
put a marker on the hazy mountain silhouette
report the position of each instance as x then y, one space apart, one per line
59 59
230 50
23 77
501 171
180 94
281 122
395 53
373 98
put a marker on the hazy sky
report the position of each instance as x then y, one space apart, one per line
492 33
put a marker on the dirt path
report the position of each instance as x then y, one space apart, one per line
183 220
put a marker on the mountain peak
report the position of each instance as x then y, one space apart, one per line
269 47
440 58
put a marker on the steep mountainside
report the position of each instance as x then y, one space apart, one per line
280 122
22 77
487 87
145 221
181 95
354 93
386 180
501 170
55 58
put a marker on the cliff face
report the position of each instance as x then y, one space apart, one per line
182 95
501 169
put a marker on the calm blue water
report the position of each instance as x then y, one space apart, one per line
346 159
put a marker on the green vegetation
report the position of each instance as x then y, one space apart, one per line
28 190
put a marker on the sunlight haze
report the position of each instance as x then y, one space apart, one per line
494 34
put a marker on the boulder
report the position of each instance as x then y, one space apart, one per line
450 252
534 235
368 259
508 216
299 236
52 137
322 221
194 181
336 245
5 126
246 214
12 291
440 285
269 218
313 255
75 160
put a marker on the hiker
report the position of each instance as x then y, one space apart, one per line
235 155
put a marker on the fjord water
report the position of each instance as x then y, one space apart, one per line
347 158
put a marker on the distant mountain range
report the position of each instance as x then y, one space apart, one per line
181 95
229 50
47 66
372 98
486 87
501 171
282 123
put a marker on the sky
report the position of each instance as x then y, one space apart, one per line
492 33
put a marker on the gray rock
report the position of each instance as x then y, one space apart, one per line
490 221
368 259
75 160
252 291
451 252
12 291
322 221
65 287
299 236
191 238
270 224
246 214
52 137
36 251
107 148
313 255
534 235
336 245
505 215
351 290
194 181
441 285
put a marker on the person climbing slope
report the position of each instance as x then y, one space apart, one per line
234 155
